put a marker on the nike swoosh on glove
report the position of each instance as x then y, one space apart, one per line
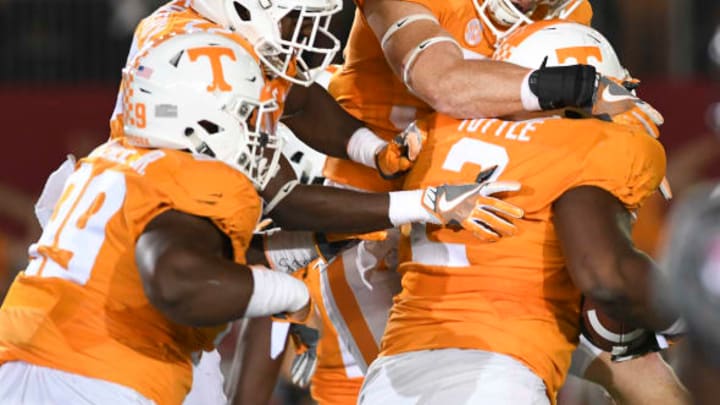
303 366
611 99
473 207
398 156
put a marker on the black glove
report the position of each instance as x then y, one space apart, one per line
303 366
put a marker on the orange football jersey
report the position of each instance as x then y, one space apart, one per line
353 308
80 307
175 18
337 380
514 296
368 89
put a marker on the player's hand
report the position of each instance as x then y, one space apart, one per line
300 316
474 207
399 155
636 118
611 99
303 366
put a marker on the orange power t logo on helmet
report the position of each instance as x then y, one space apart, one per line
581 54
214 54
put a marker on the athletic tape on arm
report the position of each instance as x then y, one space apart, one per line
415 52
402 23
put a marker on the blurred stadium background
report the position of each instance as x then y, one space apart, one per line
61 62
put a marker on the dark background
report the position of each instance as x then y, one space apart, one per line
61 62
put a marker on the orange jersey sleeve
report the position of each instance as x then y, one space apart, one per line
513 296
80 307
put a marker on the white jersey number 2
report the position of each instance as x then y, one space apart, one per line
466 150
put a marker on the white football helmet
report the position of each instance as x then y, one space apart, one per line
502 17
260 22
204 93
562 43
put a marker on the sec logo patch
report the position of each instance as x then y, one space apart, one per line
473 32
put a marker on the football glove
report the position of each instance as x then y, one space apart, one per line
398 156
303 366
298 317
611 99
473 207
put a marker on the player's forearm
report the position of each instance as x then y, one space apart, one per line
623 290
255 254
638 270
196 289
259 372
320 122
470 88
620 380
326 209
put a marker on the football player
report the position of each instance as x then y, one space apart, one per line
692 259
142 262
497 323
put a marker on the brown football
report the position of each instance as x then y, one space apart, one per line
607 333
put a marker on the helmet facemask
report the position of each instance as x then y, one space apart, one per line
260 160
502 17
307 47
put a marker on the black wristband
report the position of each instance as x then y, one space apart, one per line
563 86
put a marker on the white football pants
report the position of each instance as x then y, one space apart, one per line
207 383
27 384
451 377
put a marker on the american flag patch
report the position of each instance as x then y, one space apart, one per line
166 111
144 72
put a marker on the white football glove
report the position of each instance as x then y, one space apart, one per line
473 207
